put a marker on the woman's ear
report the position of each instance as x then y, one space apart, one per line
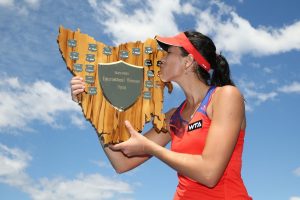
189 61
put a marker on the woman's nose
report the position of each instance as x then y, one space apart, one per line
160 63
163 60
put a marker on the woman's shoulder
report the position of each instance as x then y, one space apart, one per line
228 96
228 92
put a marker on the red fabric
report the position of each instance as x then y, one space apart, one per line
230 186
181 40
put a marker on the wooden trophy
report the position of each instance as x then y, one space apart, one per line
122 83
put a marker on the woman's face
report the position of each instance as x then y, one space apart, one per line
172 66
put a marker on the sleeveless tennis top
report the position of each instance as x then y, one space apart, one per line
191 139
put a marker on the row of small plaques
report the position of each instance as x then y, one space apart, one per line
135 51
73 43
93 91
108 51
149 84
88 68
75 56
91 58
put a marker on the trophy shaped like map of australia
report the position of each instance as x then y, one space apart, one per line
122 83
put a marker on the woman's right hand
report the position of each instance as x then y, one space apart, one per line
77 87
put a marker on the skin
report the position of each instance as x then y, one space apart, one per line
226 111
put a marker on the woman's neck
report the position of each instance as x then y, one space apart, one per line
194 90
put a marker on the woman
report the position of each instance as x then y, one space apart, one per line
206 131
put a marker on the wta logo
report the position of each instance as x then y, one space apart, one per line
195 125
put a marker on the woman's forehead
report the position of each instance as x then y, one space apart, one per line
174 49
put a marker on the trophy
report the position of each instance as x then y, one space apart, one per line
122 83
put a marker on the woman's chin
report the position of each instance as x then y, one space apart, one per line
163 79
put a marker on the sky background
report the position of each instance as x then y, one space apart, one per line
48 151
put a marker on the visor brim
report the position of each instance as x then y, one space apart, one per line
166 42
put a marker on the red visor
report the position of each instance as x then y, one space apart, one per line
181 40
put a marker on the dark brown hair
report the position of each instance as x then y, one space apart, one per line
220 75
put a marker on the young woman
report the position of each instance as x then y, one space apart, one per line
206 131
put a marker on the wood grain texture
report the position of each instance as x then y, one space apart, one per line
106 119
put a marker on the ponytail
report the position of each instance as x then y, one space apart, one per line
220 75
221 72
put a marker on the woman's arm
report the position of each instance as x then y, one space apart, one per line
122 163
207 168
118 159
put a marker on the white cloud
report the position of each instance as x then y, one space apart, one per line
251 93
22 104
13 163
236 35
100 163
33 3
6 3
292 88
259 97
267 70
144 21
253 96
295 198
297 171
232 33
83 187
272 81
77 121
21 7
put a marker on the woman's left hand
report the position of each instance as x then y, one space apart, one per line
136 145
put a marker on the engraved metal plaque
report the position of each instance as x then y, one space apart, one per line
107 51
136 51
93 47
92 90
77 67
148 84
148 50
121 83
124 54
150 73
148 62
74 55
89 79
90 57
89 68
72 43
147 95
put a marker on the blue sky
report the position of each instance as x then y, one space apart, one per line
49 151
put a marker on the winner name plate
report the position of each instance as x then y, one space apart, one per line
122 83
